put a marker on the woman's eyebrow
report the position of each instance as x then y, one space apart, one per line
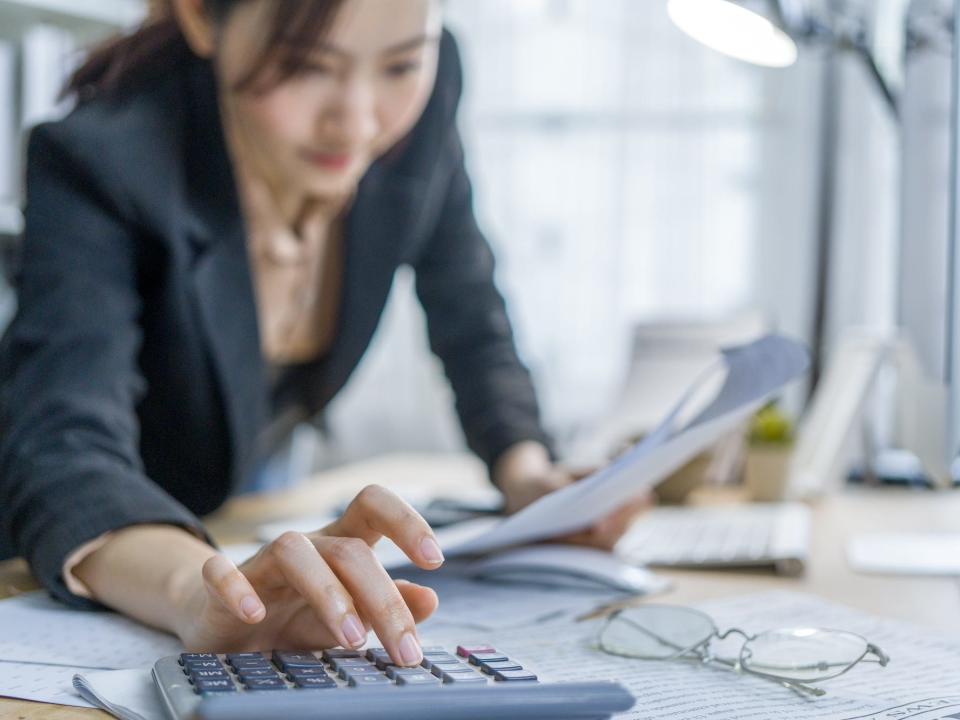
399 47
411 44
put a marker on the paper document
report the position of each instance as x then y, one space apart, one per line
40 683
126 694
43 644
36 629
746 377
752 374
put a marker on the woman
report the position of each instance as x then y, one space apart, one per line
210 238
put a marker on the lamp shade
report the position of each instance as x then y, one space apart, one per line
735 30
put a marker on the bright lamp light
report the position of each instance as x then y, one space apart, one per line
733 30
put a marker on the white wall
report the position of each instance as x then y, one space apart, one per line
623 173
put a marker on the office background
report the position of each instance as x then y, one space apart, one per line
625 175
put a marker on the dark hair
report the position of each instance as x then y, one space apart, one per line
122 62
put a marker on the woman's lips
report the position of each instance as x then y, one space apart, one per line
337 161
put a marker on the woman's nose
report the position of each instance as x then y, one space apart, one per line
352 116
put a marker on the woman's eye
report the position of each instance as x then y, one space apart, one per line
400 69
315 69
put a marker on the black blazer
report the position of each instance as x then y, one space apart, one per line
133 386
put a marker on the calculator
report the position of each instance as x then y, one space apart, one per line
471 683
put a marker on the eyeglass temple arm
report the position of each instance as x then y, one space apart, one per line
791 684
803 689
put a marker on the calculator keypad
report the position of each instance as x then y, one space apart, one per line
285 670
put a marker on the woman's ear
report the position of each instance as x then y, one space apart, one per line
196 26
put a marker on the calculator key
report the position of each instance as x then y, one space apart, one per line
261 683
312 682
351 672
427 665
430 667
263 664
491 667
380 658
285 659
434 650
209 674
307 672
463 678
439 658
371 680
190 657
337 653
255 672
468 650
203 665
231 657
395 671
477 658
443 670
339 664
215 685
419 678
513 675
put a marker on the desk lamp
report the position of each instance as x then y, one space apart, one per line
766 33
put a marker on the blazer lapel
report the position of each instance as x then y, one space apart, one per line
377 232
223 294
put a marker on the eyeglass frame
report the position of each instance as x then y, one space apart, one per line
701 653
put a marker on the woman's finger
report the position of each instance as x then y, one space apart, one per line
421 600
232 588
617 523
376 595
309 574
376 512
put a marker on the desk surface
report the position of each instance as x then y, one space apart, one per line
934 602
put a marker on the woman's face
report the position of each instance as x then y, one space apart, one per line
365 86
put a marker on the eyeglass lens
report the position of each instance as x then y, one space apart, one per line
656 632
803 654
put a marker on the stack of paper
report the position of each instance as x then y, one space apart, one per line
43 644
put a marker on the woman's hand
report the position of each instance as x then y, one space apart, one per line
316 590
525 474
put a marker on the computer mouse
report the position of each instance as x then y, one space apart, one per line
566 566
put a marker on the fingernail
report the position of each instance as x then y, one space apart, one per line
250 606
353 631
410 650
430 551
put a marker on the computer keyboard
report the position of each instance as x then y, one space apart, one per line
755 534
472 683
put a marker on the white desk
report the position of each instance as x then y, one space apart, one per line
934 602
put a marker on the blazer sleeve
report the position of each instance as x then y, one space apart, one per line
466 315
70 468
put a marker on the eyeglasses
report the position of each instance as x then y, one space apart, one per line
793 657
